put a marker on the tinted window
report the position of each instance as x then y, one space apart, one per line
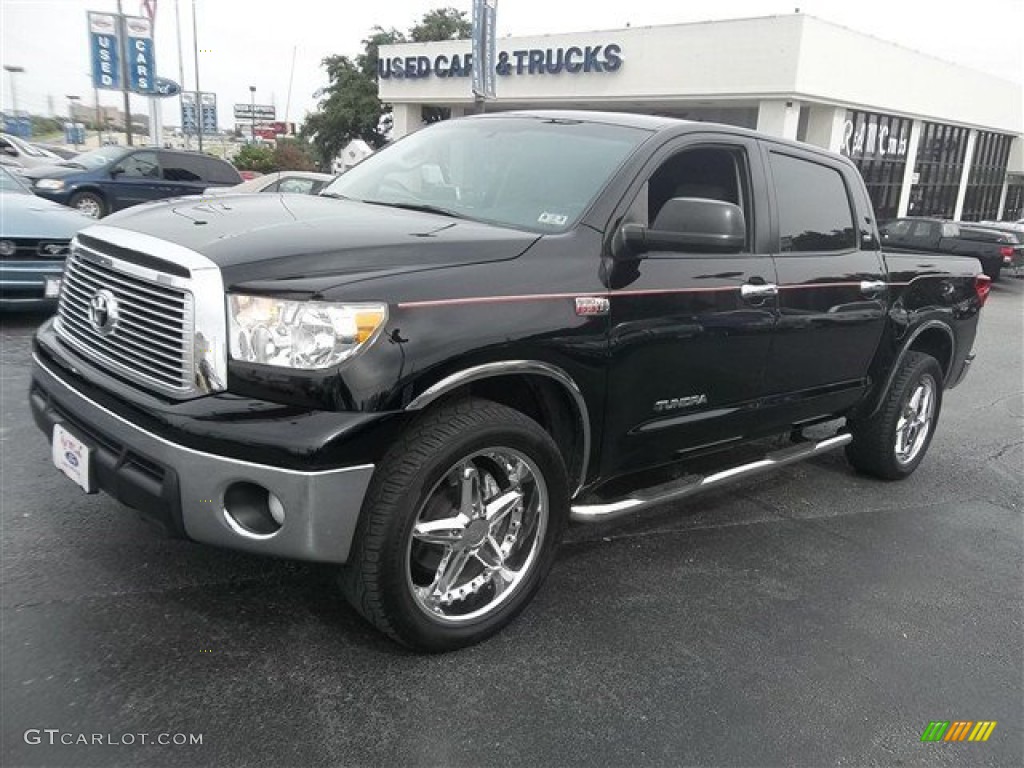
814 209
140 165
896 228
221 172
182 167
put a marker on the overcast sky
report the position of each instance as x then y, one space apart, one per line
250 42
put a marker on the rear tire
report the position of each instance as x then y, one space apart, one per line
892 443
89 203
459 527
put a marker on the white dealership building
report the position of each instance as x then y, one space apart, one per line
930 137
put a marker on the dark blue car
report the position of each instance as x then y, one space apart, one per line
111 178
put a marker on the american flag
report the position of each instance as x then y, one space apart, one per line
149 9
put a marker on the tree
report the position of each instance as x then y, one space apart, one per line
293 155
349 106
442 24
253 157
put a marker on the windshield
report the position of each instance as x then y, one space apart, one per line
97 158
532 173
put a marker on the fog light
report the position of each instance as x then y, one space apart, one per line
252 511
276 509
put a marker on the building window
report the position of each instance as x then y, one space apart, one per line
988 172
877 145
1013 209
940 166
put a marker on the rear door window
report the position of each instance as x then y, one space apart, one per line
814 206
183 167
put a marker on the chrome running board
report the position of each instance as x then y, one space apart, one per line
596 513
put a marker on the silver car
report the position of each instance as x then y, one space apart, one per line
35 235
287 182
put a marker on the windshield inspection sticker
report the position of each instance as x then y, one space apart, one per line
554 219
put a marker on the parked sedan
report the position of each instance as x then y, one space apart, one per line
34 239
293 182
111 178
24 153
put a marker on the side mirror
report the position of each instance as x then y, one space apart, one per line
116 171
689 225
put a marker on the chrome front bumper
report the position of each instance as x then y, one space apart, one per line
321 508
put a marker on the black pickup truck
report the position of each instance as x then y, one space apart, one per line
993 248
491 328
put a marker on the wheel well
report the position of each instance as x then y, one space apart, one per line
938 344
542 399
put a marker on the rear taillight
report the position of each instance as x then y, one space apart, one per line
982 285
1007 253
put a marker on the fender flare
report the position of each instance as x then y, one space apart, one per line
904 348
516 367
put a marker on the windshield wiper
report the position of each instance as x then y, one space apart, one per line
423 207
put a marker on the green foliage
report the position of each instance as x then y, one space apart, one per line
349 106
46 126
253 157
293 155
442 24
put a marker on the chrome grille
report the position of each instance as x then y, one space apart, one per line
150 342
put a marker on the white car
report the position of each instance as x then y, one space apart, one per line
289 182
25 154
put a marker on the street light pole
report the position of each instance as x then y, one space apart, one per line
71 116
13 70
252 111
199 95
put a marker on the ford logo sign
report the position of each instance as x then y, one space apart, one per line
166 88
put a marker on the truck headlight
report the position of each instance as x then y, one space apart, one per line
53 185
309 335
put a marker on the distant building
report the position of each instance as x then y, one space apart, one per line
930 138
111 117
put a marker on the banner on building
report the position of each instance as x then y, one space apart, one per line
105 50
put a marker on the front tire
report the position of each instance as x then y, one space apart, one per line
89 203
892 443
459 527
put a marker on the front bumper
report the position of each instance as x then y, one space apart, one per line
23 284
184 488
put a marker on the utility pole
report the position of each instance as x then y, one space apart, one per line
199 96
122 33
13 70
181 72
252 107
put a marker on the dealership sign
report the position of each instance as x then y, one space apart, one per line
573 60
116 41
255 112
166 88
139 54
870 135
105 50
484 47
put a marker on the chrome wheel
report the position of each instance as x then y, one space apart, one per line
89 206
477 535
915 421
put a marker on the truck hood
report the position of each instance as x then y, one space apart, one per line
256 238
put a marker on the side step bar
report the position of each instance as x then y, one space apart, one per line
597 513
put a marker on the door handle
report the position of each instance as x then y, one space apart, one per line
758 291
872 287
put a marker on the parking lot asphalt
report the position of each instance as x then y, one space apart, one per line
812 617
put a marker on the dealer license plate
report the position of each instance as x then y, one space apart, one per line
71 456
51 290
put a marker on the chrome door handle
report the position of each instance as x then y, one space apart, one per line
751 291
871 287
